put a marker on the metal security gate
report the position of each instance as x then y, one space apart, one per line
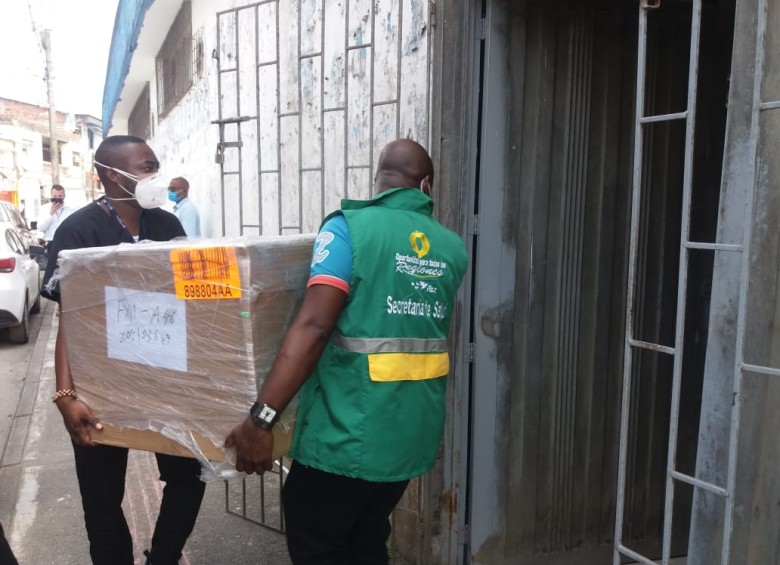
642 123
258 499
308 93
634 346
231 175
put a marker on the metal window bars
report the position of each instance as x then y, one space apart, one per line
740 366
251 500
308 93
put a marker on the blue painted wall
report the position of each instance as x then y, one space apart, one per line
127 25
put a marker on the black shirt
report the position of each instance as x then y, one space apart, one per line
93 226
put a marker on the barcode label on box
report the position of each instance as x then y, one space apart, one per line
206 273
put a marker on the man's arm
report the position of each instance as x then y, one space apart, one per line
301 349
44 224
78 417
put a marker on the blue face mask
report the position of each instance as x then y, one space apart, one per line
173 197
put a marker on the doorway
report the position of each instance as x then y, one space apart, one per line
550 275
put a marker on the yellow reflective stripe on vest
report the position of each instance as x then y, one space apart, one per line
400 358
387 367
390 344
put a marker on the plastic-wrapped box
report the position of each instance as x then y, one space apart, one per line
169 342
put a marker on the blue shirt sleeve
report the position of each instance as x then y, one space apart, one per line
332 257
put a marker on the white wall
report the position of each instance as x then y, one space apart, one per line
327 84
185 140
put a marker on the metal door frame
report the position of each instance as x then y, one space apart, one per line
489 103
459 123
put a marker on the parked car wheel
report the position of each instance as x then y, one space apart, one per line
21 332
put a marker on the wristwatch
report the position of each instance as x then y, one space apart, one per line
263 415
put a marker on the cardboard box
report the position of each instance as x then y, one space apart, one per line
169 342
149 440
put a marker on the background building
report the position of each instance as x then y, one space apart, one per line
25 156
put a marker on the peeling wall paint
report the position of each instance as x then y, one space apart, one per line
325 84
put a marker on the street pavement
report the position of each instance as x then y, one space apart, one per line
40 507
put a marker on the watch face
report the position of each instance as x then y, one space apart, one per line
267 414
263 415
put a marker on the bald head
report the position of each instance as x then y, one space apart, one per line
180 186
403 163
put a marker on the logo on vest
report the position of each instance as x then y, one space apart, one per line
426 271
420 243
417 265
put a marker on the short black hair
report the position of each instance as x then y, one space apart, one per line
107 151
58 187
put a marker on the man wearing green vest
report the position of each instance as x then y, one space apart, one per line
368 350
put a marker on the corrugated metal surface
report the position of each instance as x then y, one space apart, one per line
556 337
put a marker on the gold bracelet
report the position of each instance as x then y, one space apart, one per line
63 393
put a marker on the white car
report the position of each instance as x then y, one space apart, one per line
19 286
11 214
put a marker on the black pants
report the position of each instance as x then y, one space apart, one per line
336 520
6 555
101 473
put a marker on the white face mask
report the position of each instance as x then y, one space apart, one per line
150 191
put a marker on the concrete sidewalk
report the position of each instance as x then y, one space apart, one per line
40 505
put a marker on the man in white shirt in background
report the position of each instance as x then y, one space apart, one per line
49 222
57 213
185 210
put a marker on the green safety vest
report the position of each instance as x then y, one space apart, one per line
374 408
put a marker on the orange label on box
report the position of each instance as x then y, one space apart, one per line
206 273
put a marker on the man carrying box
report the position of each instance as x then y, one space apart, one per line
369 348
128 169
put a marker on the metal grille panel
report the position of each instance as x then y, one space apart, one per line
309 92
315 89
174 62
